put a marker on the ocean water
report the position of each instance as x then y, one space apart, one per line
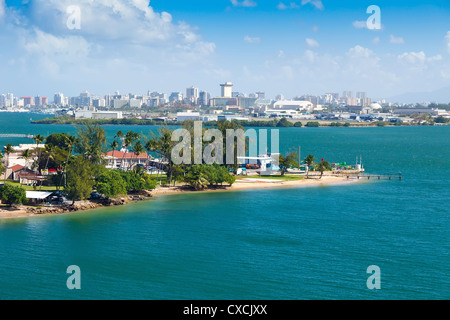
303 243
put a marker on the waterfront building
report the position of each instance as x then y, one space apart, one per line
124 159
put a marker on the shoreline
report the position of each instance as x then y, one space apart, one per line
239 185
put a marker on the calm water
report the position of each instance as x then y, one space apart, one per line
308 243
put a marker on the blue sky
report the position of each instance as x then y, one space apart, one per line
289 47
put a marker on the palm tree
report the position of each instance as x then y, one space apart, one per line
129 139
26 154
286 162
49 150
323 166
70 142
8 149
200 182
309 161
152 146
114 145
38 140
138 148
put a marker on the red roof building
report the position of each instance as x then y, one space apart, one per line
118 159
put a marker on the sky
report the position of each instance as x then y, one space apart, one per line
289 47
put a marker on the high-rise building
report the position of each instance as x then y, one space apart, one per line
192 95
58 99
85 99
176 97
347 94
204 98
38 101
260 95
361 95
27 101
226 90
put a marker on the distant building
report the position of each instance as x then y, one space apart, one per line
261 95
183 116
226 90
293 105
192 95
27 101
175 97
203 98
411 111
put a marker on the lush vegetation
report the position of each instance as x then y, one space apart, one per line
12 195
202 176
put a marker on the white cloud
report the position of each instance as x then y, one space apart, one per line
316 3
360 24
2 9
376 40
249 39
447 40
396 40
418 58
291 5
359 52
130 21
312 43
244 3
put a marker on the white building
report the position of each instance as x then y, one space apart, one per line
227 90
293 105
183 116
192 95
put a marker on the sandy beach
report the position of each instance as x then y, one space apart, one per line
241 184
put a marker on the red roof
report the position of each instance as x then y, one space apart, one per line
129 155
16 168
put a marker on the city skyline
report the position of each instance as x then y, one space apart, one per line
279 47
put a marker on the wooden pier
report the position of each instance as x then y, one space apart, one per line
376 176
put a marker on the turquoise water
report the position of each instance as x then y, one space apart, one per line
306 243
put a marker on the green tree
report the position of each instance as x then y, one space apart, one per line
27 155
38 139
298 124
441 119
113 145
286 162
2 167
284 123
197 178
12 195
79 178
91 142
313 124
309 161
322 167
63 141
111 184
8 149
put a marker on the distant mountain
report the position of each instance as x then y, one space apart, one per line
438 96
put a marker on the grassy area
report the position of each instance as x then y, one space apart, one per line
30 188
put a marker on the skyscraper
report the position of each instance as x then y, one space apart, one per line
204 98
192 94
58 99
226 90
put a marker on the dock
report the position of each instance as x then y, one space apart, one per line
376 176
